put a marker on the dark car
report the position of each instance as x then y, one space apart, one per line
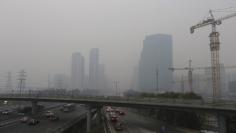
6 112
54 118
33 122
121 113
119 126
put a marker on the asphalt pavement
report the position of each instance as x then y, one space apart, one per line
134 123
45 126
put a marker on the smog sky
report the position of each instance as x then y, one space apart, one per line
39 36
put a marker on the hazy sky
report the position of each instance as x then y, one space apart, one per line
40 35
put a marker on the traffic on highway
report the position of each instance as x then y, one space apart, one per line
50 117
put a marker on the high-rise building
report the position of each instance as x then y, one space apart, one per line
232 84
102 77
94 69
134 79
156 58
77 71
60 81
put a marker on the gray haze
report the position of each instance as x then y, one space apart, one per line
40 35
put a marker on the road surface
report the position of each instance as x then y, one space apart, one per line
45 126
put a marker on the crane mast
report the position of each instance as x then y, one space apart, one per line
214 48
190 76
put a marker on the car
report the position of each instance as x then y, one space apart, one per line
33 122
48 114
117 110
20 114
119 126
61 109
6 112
113 118
66 110
108 109
111 114
1 111
24 119
121 113
5 102
54 118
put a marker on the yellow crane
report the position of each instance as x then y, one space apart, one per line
214 48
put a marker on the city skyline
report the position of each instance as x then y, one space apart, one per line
52 35
102 66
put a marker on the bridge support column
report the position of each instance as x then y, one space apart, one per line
221 120
88 127
34 107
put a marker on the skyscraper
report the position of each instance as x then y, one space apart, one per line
102 77
60 81
156 58
77 71
134 79
94 68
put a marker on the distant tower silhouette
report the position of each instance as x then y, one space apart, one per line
157 81
21 79
182 84
94 68
9 82
77 71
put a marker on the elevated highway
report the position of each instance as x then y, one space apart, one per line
220 109
223 107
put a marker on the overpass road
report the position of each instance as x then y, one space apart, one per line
14 115
223 107
135 123
45 126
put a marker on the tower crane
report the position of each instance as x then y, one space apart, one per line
190 72
214 48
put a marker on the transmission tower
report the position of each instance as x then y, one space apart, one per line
157 80
21 79
182 84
